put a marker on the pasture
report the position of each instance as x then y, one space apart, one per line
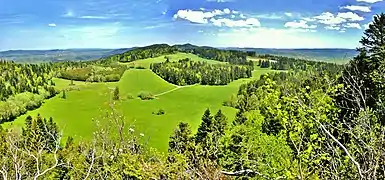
75 114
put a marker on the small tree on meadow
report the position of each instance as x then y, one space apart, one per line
116 93
64 96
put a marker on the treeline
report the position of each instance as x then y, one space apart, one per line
187 72
231 56
143 53
286 63
93 73
156 50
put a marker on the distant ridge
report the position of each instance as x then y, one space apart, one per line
322 54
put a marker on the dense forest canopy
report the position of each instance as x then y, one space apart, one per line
187 72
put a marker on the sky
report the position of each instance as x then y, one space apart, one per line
63 24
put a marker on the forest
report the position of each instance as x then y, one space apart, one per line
187 72
315 120
93 73
142 53
24 87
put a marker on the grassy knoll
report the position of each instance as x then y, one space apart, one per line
75 114
135 81
173 57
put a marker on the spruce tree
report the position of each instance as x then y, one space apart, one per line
220 123
205 127
181 139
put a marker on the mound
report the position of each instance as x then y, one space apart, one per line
135 81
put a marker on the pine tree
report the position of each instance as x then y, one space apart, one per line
220 123
205 127
181 139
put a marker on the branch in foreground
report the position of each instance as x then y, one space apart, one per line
240 173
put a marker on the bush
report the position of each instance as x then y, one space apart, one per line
139 67
145 96
159 112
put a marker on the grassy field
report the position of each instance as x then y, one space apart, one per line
173 57
75 114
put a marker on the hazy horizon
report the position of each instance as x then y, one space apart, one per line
63 24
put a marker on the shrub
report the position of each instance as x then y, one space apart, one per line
139 67
159 112
145 96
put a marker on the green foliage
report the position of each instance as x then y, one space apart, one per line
64 96
116 93
20 78
287 63
159 112
231 56
145 95
142 53
19 104
187 72
93 73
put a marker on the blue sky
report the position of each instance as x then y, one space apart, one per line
51 24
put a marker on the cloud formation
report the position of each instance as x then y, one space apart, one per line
52 25
328 18
357 8
369 1
230 20
300 24
251 22
352 25
199 16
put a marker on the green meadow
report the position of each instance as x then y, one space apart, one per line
88 101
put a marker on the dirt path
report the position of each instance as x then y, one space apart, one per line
177 87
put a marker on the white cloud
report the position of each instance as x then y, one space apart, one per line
235 12
352 25
331 19
251 22
289 14
369 1
269 16
93 17
52 25
195 16
357 8
350 16
201 16
300 24
242 16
